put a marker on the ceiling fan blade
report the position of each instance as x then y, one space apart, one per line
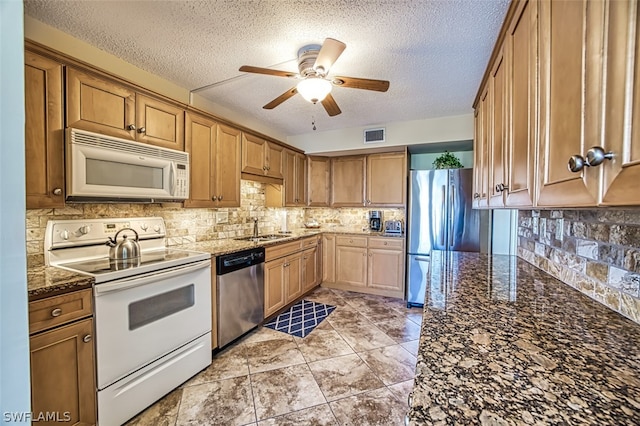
329 52
267 71
331 106
361 83
280 99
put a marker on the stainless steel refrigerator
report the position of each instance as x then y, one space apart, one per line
440 217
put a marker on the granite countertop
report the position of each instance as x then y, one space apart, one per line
504 343
50 281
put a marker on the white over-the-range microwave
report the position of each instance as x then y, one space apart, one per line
102 169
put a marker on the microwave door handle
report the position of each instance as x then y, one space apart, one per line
173 176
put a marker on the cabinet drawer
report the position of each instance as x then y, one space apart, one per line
310 242
280 250
386 243
351 241
53 311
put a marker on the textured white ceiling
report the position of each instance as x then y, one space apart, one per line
433 52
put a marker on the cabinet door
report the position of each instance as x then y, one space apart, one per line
228 165
99 105
289 177
498 132
200 143
274 286
44 137
62 372
478 148
385 269
570 93
328 258
318 172
300 179
309 269
622 105
386 179
274 154
522 48
485 113
253 155
348 181
293 273
159 123
351 265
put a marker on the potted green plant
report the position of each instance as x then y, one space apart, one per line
447 161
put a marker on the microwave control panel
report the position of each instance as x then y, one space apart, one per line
182 181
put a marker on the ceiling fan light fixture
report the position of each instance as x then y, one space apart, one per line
314 89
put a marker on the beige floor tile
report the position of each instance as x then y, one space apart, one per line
411 346
401 390
320 415
273 354
399 329
362 335
344 376
392 364
162 413
223 402
374 408
284 390
230 362
326 296
323 342
262 334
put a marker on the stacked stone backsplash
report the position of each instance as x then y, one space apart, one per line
595 251
186 225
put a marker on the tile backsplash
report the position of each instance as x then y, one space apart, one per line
201 224
595 251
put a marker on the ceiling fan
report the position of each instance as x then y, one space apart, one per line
314 62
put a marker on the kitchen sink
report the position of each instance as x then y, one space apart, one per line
263 238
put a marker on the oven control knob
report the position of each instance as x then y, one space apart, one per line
144 226
85 229
156 228
64 235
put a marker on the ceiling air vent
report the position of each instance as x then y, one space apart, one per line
374 135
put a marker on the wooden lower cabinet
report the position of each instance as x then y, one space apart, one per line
310 276
274 286
293 276
62 373
365 264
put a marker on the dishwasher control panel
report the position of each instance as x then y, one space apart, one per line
239 260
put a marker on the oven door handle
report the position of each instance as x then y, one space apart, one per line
148 278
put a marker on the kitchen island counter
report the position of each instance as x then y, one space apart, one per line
504 343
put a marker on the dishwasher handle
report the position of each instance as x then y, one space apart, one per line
228 263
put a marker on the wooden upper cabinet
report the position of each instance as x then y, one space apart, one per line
478 148
260 157
99 105
254 159
622 105
228 166
159 123
319 181
483 148
44 136
348 181
521 55
571 46
497 87
294 178
107 107
386 179
200 143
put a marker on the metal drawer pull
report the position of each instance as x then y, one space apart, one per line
56 312
86 338
407 421
410 399
596 155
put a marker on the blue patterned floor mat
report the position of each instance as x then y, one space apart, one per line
301 318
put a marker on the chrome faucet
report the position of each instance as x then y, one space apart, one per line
255 228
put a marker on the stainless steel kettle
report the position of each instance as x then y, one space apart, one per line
124 250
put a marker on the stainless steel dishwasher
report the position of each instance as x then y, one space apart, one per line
240 291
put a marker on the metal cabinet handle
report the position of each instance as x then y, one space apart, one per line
131 127
501 187
596 155
86 338
368 201
56 312
476 196
577 163
57 191
407 421
370 255
219 197
264 167
214 198
410 399
385 243
142 130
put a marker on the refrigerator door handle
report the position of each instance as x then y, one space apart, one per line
453 210
422 259
443 221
